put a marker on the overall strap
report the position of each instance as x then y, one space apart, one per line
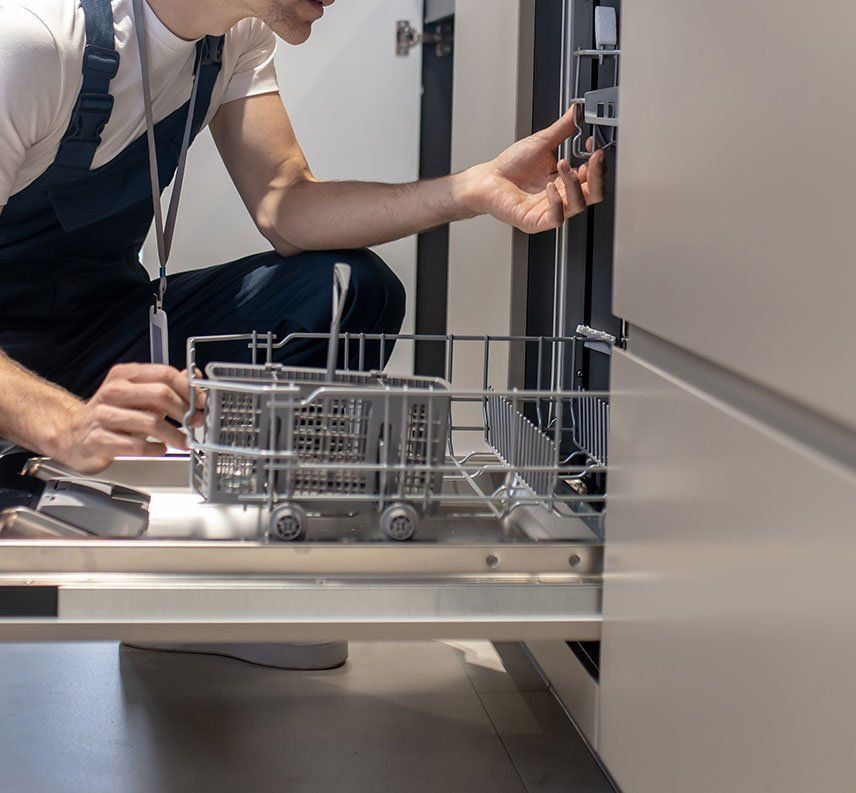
210 63
94 104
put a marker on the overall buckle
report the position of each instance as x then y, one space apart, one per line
90 116
212 50
101 61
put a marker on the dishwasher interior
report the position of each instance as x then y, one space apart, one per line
570 273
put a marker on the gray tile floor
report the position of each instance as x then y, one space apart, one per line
409 717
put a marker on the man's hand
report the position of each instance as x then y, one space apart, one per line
526 187
126 417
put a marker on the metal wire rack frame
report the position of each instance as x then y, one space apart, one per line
536 445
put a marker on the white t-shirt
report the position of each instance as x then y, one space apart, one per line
41 56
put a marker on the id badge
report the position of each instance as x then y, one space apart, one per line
159 335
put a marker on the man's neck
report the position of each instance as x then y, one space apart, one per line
193 19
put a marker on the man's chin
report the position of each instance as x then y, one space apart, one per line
295 34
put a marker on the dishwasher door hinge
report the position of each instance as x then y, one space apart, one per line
441 34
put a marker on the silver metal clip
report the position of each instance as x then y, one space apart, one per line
598 109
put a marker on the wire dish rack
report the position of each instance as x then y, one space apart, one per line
299 443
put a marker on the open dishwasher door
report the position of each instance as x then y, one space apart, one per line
204 573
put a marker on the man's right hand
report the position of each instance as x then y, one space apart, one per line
126 418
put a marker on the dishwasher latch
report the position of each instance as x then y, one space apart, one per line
597 109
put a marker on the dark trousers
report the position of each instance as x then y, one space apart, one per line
264 293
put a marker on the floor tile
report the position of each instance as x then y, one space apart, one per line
94 719
499 667
545 747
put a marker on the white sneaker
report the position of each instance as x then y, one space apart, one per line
297 656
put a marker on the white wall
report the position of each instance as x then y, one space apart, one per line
355 107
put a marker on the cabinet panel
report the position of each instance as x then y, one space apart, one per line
730 577
735 188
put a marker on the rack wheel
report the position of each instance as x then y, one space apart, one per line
399 522
287 523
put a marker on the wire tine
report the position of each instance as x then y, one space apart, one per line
429 451
271 477
586 427
519 428
404 444
539 381
527 474
587 424
577 386
557 441
591 415
605 440
506 430
450 348
486 381
385 433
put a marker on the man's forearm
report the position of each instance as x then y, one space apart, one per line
314 215
31 409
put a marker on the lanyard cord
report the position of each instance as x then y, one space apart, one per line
164 235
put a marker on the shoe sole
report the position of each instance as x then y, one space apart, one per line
314 657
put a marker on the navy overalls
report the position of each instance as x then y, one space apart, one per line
74 298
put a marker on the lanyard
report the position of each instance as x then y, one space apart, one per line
158 325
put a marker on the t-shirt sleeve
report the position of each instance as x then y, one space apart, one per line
31 78
254 72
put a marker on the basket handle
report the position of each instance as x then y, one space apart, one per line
341 282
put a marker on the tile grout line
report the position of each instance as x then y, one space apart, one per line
505 748
551 692
524 787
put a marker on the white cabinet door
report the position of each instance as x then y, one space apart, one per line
728 636
735 189
356 109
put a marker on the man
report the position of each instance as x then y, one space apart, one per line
74 301
76 205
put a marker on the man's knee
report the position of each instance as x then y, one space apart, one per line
378 298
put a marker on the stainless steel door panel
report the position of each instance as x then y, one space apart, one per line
223 611
735 188
729 629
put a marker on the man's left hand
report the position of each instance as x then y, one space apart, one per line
528 188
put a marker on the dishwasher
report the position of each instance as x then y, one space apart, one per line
347 504
327 505
289 520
